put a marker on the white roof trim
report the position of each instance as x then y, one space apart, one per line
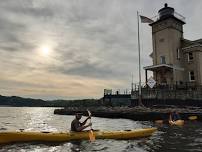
192 46
163 65
158 65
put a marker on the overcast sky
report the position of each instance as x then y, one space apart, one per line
70 49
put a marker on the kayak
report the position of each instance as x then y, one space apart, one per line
23 136
177 122
192 117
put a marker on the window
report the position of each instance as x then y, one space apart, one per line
191 76
178 54
190 56
162 60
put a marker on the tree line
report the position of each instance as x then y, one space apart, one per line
29 102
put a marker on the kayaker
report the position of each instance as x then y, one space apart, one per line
76 125
174 116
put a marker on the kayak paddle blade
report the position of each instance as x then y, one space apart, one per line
159 121
91 136
192 117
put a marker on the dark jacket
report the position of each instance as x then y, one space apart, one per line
175 116
75 124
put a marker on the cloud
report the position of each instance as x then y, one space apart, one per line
92 44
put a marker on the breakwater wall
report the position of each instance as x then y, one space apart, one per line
137 114
152 97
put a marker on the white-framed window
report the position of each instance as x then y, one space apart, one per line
162 59
191 76
178 53
190 56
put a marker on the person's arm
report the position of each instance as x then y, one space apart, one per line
80 128
83 123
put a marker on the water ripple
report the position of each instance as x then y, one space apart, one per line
168 138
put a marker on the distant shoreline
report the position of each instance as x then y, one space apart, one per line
15 101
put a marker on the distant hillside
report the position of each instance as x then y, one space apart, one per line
19 101
28 102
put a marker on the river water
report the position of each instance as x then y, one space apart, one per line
167 138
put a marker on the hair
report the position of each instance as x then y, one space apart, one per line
78 113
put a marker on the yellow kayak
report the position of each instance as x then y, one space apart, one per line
177 122
9 137
193 117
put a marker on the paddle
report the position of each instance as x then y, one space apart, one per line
192 117
159 121
91 134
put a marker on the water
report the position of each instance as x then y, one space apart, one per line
167 138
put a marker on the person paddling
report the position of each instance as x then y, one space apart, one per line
174 116
76 125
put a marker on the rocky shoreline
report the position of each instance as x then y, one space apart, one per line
134 113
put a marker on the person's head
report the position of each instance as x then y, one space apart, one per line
78 115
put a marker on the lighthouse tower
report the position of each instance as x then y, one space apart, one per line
167 34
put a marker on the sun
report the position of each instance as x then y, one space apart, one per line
45 51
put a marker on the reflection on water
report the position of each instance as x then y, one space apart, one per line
167 138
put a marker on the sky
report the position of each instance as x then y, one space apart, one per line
74 49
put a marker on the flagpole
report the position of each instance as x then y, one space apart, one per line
132 84
140 91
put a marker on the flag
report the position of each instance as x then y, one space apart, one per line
146 19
